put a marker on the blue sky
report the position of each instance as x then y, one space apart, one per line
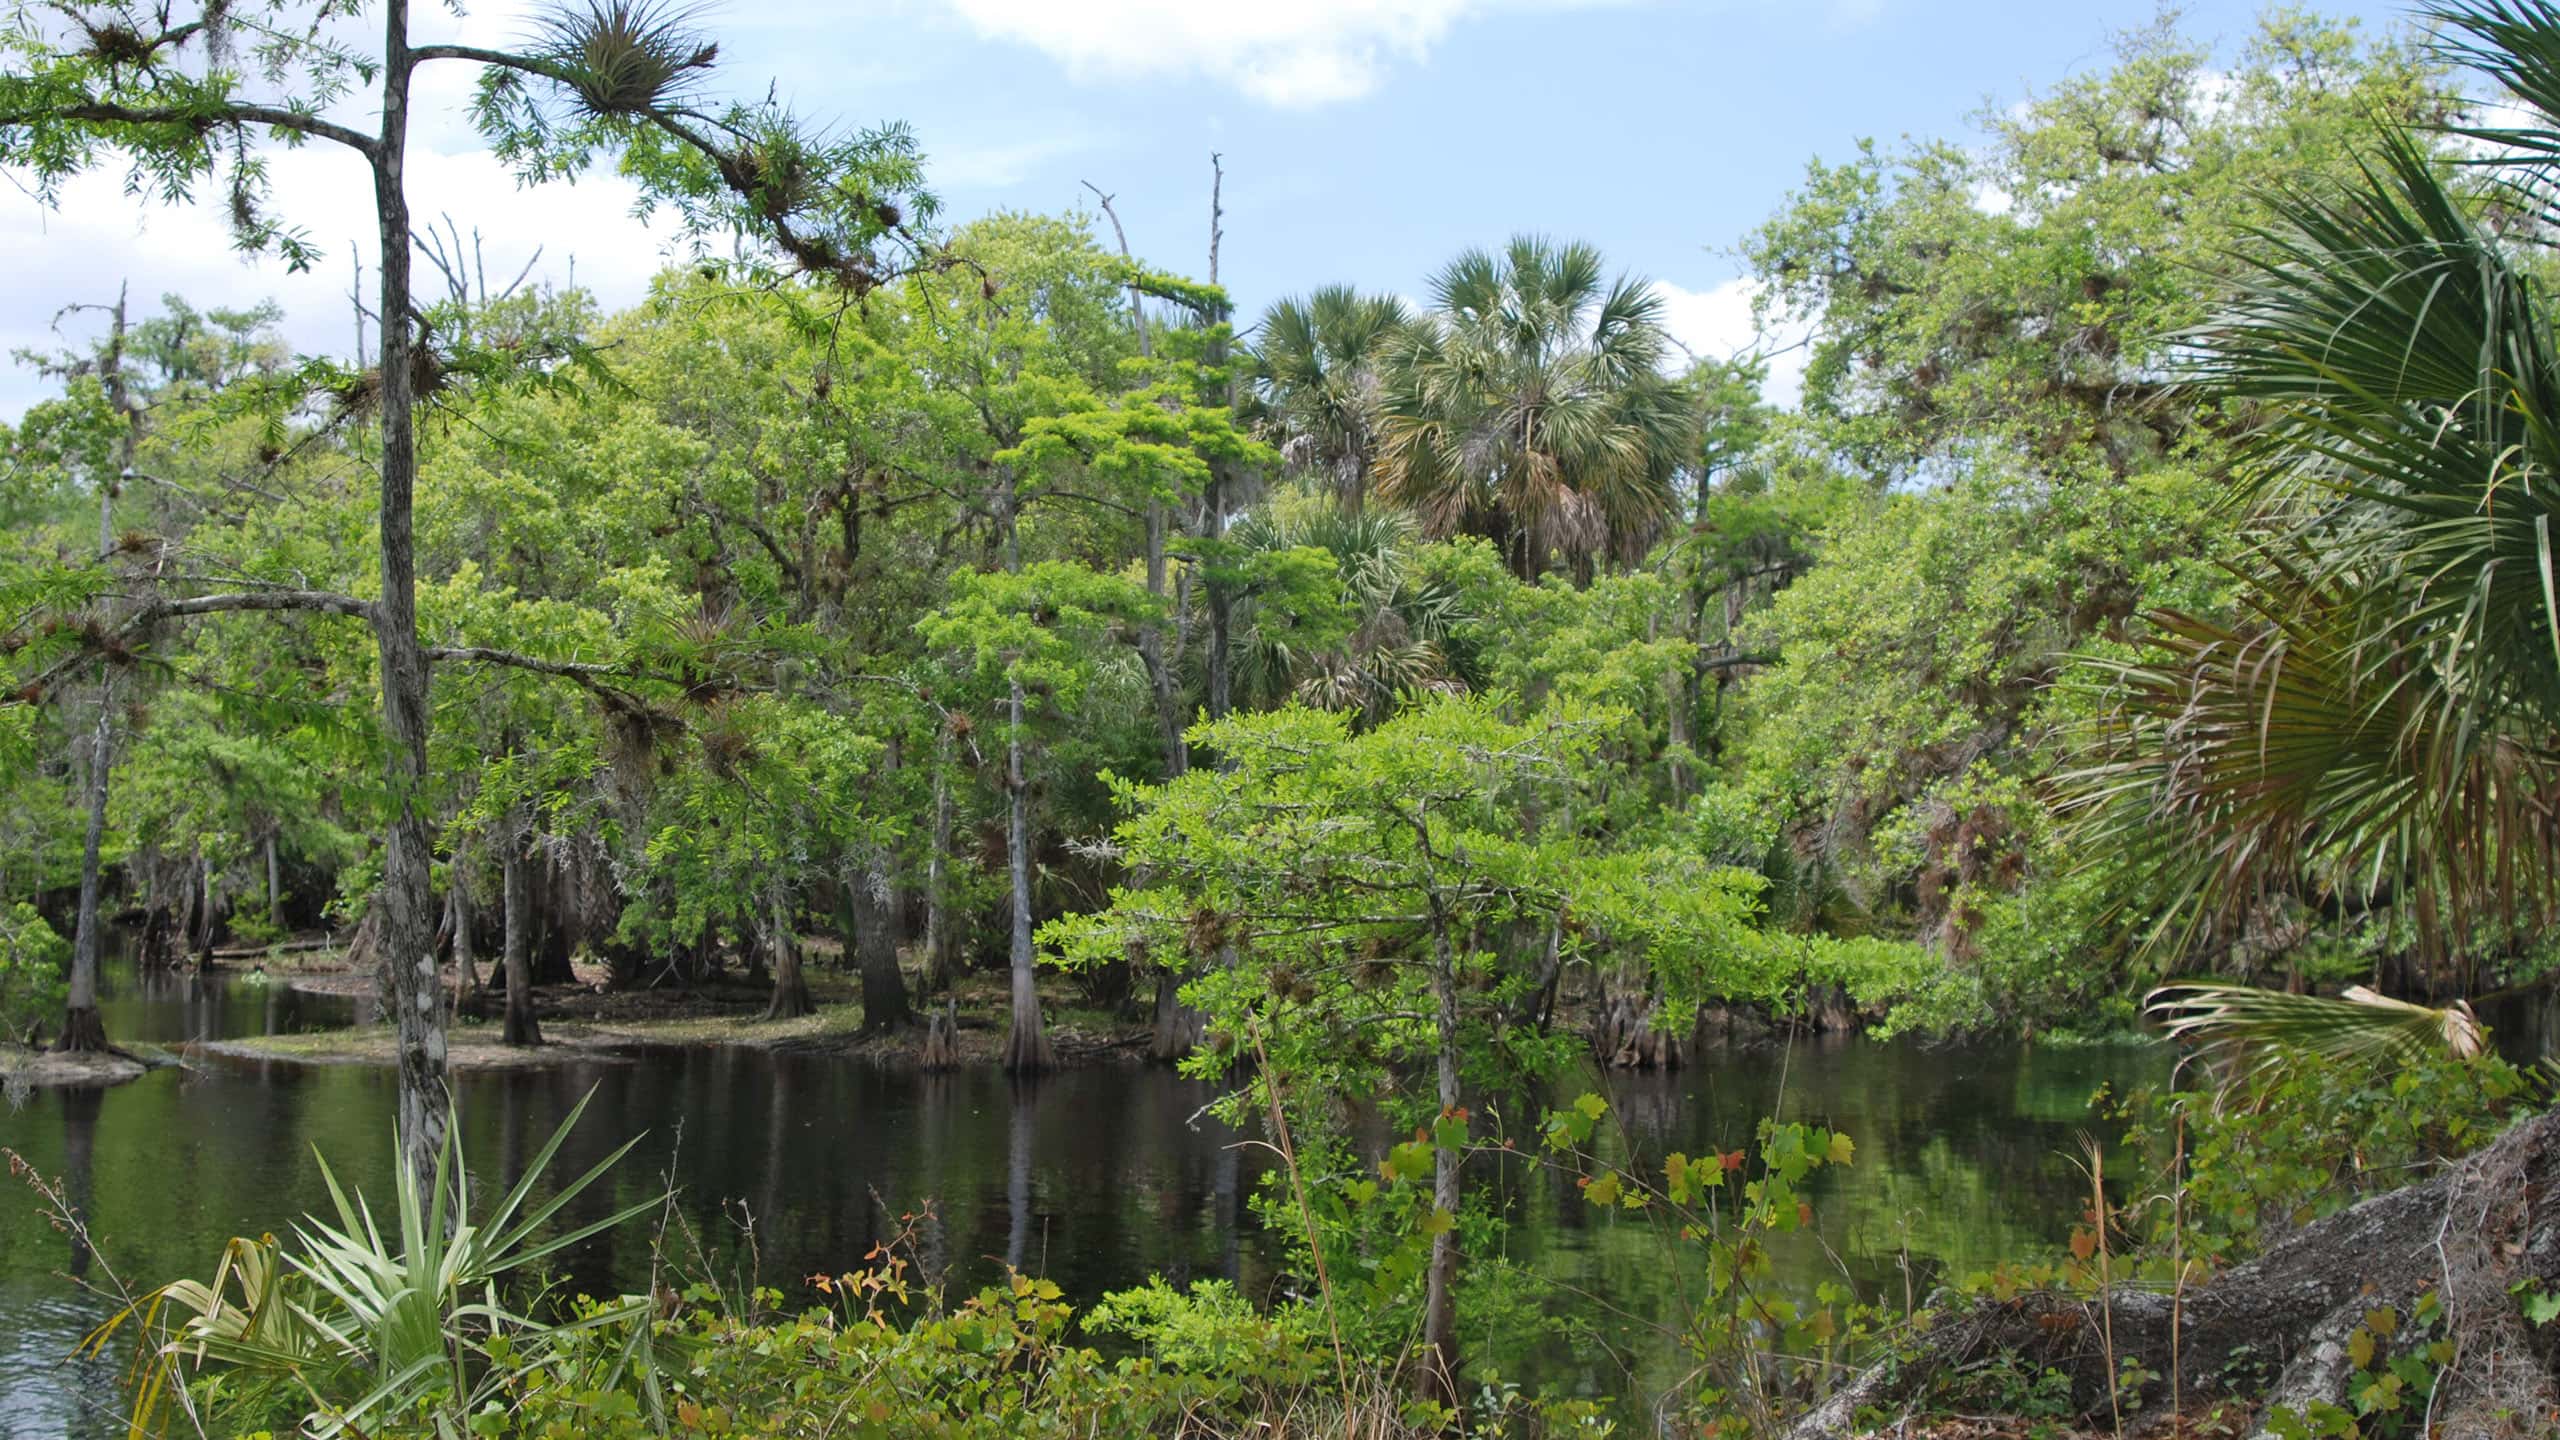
1365 140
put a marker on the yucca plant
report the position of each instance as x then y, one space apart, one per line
365 1326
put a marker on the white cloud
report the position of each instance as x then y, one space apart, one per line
995 167
1284 52
1719 323
101 238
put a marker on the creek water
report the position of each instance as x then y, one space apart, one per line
787 1165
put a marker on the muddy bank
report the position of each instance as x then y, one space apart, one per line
590 1021
22 1065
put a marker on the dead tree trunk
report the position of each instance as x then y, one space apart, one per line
2276 1330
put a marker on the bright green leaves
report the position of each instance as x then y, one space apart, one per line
1410 1160
32 962
1046 627
1150 444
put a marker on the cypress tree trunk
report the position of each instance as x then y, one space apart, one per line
517 949
1178 1026
466 964
790 990
1177 751
875 946
407 896
1026 1044
82 1029
1439 1306
941 942
201 942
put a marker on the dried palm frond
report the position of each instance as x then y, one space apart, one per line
2233 1021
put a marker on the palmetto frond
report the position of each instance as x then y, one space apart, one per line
2381 726
1314 367
1394 650
1529 406
2515 43
2240 1022
2284 756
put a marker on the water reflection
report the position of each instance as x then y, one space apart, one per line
789 1165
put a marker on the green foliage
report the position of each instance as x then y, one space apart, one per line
1528 407
2282 1144
1763 1352
32 963
363 1331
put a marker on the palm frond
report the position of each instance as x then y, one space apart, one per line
2241 1022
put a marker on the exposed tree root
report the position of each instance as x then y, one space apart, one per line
2276 1331
82 1031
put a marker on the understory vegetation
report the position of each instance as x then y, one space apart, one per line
1384 709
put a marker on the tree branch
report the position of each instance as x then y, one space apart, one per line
325 601
101 113
583 671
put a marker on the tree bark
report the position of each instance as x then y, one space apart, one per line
941 943
407 896
875 946
1440 1304
790 990
82 1028
2275 1330
466 964
516 950
1026 1044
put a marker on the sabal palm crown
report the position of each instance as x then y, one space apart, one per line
2383 725
1529 406
1315 366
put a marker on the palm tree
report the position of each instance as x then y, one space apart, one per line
1389 645
1315 370
2381 725
1530 407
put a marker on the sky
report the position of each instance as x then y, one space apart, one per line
1364 141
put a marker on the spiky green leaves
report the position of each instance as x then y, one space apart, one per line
627 57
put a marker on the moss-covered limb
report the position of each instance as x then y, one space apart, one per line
2279 1330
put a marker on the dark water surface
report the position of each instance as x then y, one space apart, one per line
792 1165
